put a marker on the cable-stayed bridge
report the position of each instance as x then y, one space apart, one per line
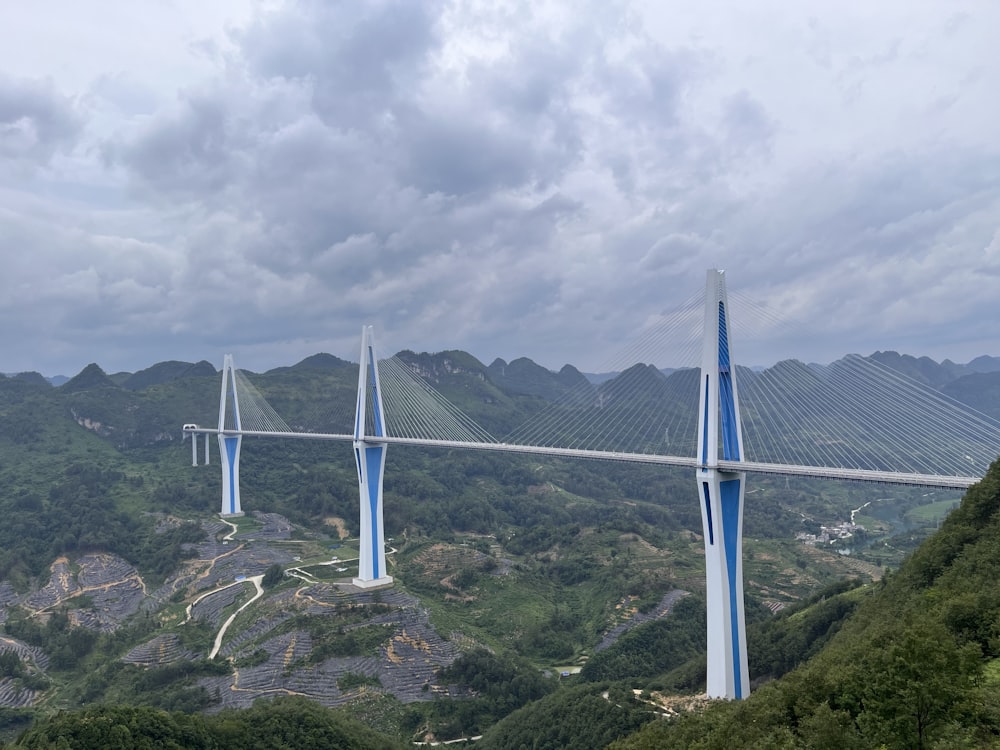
854 419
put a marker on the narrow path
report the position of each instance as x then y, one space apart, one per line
211 564
295 572
86 590
439 743
235 687
225 626
858 510
209 593
231 534
298 572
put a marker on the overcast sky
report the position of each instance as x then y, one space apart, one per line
180 179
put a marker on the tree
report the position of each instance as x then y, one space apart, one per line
273 576
916 680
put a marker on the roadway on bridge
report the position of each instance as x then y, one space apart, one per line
819 472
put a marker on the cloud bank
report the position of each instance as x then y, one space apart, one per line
513 179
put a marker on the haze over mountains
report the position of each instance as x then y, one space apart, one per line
523 375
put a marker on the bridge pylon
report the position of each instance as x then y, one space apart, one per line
721 496
369 455
230 440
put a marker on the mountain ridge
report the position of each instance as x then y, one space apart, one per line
920 368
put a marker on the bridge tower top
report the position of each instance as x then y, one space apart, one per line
230 439
719 424
369 390
229 399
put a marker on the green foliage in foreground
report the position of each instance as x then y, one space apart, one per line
653 648
778 644
172 687
496 685
583 717
501 684
912 668
268 725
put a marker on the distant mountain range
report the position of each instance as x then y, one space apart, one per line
976 383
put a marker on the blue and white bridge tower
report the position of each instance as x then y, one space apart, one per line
721 494
369 453
230 440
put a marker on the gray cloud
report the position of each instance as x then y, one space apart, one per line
35 120
518 179
193 152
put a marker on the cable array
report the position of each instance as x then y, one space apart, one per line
255 413
858 413
413 409
642 409
853 414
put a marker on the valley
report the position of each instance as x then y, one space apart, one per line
122 586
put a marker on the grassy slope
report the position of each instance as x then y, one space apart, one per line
914 665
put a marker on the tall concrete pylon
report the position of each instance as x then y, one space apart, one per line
369 454
230 440
721 497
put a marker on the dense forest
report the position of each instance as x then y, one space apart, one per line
538 602
270 725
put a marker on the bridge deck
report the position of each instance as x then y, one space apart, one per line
859 475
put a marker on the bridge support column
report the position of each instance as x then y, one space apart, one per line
722 521
369 454
230 441
194 448
207 457
721 495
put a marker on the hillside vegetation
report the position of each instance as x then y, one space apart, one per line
120 586
282 723
914 666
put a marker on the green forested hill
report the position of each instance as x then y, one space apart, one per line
116 575
915 665
282 723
